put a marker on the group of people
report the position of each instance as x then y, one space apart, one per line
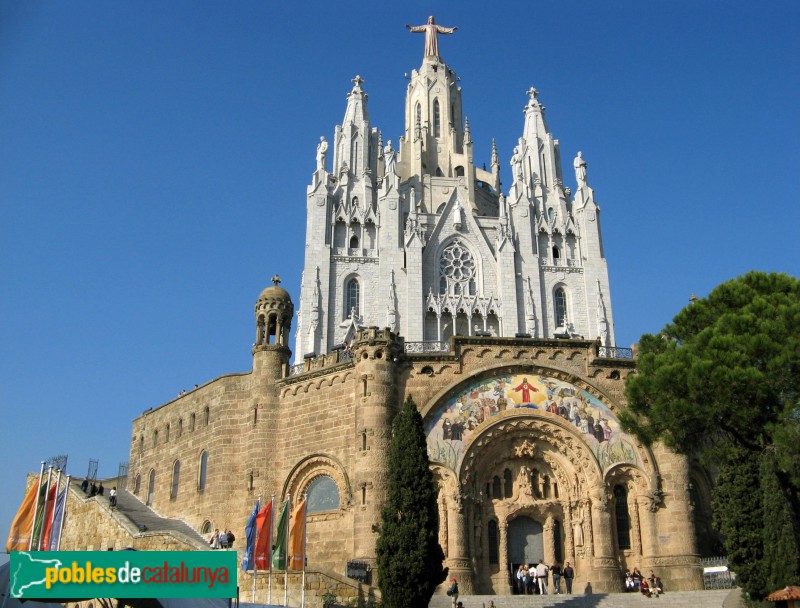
532 579
649 587
222 540
92 489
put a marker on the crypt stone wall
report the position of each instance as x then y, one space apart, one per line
270 433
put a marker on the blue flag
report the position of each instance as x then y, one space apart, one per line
55 535
250 532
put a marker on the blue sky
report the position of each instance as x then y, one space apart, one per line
154 158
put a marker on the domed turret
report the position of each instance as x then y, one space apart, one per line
274 310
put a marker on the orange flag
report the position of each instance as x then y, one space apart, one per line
263 538
297 538
20 536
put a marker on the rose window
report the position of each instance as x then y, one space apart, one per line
457 270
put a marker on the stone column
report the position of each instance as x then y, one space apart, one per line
458 559
646 519
549 540
569 538
503 528
636 531
606 574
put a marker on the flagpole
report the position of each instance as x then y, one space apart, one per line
305 528
36 507
63 513
269 548
255 544
44 509
286 561
53 517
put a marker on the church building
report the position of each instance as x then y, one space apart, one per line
489 304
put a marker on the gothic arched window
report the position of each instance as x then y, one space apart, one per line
179 430
201 479
561 306
508 483
151 487
494 543
497 488
556 253
457 270
351 297
137 485
437 120
176 478
191 422
622 516
166 435
417 115
206 416
323 495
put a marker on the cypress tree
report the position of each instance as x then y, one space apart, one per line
408 553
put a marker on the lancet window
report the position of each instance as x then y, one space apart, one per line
561 306
351 300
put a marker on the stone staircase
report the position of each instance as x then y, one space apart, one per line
676 599
140 519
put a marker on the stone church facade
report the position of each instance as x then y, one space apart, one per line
493 312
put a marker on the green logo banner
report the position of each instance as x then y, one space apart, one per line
152 574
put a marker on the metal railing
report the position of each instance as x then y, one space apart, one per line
614 352
716 574
297 368
427 347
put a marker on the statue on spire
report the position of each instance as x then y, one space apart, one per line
580 169
431 30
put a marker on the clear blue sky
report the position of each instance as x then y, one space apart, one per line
154 158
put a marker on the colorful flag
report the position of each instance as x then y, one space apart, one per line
297 538
264 537
38 521
279 552
250 533
48 518
20 536
58 515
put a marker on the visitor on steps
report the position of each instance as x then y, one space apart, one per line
568 573
555 570
453 592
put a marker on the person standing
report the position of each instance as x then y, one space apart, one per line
541 577
568 573
555 569
223 540
112 497
453 592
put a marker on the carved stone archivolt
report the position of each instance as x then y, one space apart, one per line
317 465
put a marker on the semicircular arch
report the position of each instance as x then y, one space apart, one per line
459 413
316 465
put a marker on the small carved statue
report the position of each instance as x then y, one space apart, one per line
580 169
516 164
322 154
390 159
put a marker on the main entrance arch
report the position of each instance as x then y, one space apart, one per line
521 460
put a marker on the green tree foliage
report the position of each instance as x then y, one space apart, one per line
723 379
408 553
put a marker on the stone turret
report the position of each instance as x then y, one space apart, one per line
375 353
274 311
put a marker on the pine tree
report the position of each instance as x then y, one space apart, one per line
408 553
723 381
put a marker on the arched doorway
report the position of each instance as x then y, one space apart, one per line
525 542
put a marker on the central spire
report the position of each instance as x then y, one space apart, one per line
431 41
